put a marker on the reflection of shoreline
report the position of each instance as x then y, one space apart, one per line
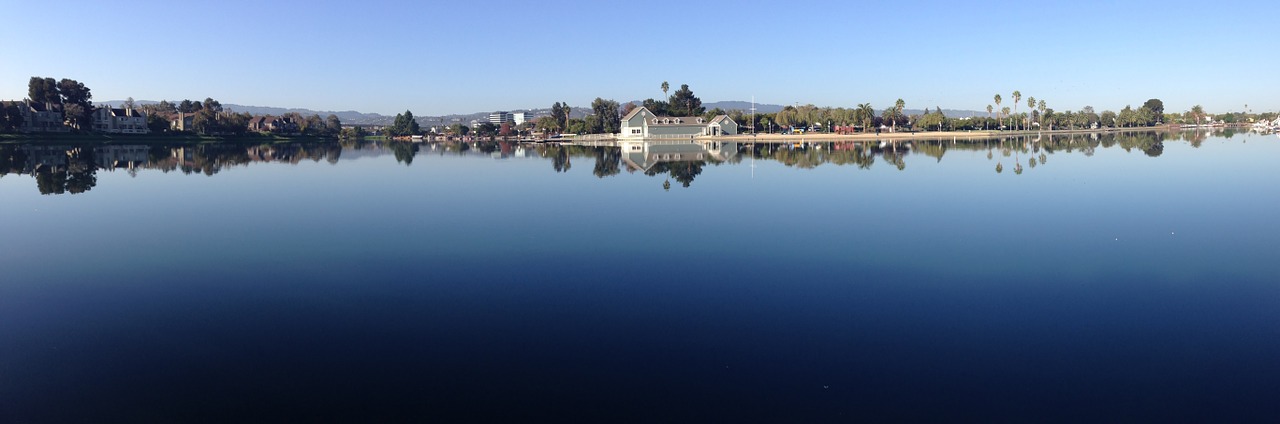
73 169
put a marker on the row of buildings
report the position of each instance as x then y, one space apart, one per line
39 117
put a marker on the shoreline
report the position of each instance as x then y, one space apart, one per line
926 135
107 139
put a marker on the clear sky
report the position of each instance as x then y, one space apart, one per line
440 57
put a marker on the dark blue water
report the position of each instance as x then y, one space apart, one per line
1117 281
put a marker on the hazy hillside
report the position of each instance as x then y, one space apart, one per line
359 118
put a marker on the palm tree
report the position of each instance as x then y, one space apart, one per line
998 105
1042 109
984 124
897 111
665 87
1005 110
1031 105
864 114
1197 111
1017 97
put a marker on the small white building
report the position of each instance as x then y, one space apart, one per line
641 123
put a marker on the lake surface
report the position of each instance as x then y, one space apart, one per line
1129 278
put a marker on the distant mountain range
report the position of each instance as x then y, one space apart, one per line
360 118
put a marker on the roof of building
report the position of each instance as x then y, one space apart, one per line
672 121
129 113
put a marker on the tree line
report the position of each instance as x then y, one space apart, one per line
73 101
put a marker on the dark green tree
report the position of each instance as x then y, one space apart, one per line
44 90
607 119
1157 110
658 107
188 106
486 129
684 103
404 125
332 125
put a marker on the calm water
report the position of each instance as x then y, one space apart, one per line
1130 278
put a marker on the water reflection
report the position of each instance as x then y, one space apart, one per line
60 169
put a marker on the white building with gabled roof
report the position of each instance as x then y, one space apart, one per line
641 123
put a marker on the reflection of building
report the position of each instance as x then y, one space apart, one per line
641 123
643 155
129 157
44 156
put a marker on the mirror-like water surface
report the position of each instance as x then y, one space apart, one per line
1088 277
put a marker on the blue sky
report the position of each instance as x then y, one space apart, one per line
462 57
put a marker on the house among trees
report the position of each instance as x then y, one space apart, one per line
126 120
273 124
41 117
183 122
641 123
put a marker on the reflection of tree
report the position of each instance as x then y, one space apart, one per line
404 151
608 161
682 172
1155 150
685 172
82 172
487 146
560 160
12 160
51 179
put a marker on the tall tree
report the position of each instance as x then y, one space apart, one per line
989 109
608 121
1156 106
897 112
44 90
332 125
404 125
1043 117
77 102
865 114
684 103
1197 112
1017 97
557 112
665 87
997 99
211 104
1031 106
188 106
548 125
